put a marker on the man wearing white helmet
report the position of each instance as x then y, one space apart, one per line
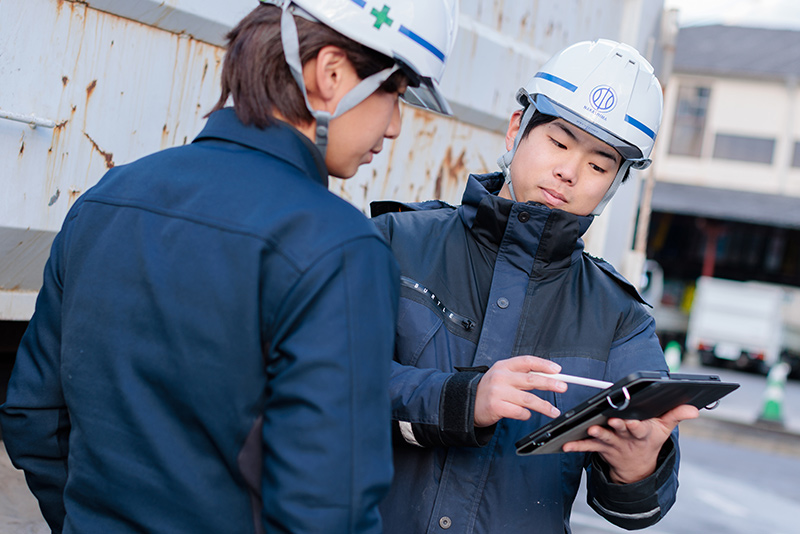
211 347
505 289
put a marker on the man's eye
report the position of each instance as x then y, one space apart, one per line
597 169
559 145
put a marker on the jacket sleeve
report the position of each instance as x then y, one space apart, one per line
326 432
34 417
430 407
644 503
434 408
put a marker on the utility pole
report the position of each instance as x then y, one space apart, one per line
635 267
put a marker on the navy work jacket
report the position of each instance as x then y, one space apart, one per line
489 280
211 348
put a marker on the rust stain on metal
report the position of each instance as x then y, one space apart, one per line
451 171
21 145
56 136
423 116
64 80
109 157
499 8
166 13
73 195
219 54
90 89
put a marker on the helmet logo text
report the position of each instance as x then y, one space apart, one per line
603 98
381 17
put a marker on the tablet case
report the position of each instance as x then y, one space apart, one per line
642 395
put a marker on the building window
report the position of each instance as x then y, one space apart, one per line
690 121
796 155
742 148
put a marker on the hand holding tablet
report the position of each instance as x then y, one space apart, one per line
641 396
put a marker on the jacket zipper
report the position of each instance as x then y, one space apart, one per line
460 320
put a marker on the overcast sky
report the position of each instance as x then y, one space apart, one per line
783 14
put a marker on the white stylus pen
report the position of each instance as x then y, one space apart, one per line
599 384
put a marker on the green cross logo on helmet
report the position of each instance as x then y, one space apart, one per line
381 17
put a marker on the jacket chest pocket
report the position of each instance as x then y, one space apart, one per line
429 334
423 340
416 327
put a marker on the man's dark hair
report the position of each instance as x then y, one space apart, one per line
256 75
537 120
540 118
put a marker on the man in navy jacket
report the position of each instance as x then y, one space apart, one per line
500 287
211 346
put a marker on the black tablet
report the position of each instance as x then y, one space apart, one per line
642 395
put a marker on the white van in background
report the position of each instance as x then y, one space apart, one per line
751 324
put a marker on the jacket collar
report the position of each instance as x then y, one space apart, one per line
280 140
551 236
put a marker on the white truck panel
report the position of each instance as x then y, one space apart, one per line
116 90
737 316
120 79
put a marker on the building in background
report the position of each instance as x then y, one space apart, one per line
726 201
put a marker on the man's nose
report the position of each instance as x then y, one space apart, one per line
567 169
393 131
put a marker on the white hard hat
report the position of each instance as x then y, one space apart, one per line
608 90
418 34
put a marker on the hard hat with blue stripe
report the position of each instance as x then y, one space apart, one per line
605 88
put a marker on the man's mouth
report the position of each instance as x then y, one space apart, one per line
554 197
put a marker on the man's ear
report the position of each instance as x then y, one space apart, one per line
513 128
325 77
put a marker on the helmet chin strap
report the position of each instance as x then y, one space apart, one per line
291 50
504 161
633 163
612 189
